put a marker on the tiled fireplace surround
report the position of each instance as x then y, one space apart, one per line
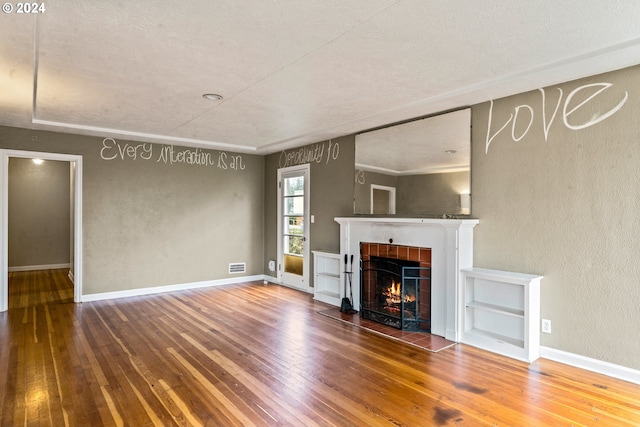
451 245
404 253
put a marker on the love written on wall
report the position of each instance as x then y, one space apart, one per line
114 150
522 116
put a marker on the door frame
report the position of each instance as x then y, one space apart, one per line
391 197
76 171
282 172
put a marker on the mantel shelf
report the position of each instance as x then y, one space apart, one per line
401 221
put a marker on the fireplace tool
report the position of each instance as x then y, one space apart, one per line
347 305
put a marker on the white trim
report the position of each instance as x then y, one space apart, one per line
391 198
38 267
76 164
276 281
308 289
593 365
171 288
4 235
159 139
282 173
77 230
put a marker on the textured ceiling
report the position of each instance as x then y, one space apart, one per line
291 72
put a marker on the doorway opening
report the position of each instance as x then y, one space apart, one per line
75 181
293 230
383 200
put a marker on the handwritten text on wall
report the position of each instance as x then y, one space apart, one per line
114 150
316 153
522 116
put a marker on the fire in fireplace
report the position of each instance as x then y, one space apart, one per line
394 291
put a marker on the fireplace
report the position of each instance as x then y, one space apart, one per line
395 285
451 248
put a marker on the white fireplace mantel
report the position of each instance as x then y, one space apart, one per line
451 244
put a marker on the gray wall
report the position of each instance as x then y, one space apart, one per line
362 191
332 186
147 222
436 193
39 213
416 195
557 198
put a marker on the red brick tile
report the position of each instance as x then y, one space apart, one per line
383 250
364 249
373 249
425 255
393 251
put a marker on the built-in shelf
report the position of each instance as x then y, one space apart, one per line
502 312
326 283
481 334
496 308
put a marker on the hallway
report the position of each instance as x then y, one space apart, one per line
30 288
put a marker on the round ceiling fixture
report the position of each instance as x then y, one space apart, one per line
451 151
212 97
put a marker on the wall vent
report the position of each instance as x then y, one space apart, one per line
237 267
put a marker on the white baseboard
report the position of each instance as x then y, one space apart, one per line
39 267
309 289
170 288
450 334
593 365
271 279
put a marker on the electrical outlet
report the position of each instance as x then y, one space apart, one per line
546 326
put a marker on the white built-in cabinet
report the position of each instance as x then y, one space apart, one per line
502 312
326 283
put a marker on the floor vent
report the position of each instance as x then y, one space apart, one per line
237 267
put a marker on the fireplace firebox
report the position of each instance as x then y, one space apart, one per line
395 291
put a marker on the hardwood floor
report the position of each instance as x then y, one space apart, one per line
251 354
28 288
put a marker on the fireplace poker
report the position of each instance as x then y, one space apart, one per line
347 305
346 302
352 310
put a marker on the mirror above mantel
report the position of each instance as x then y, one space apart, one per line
416 168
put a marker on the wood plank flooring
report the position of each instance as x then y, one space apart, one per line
28 288
261 355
